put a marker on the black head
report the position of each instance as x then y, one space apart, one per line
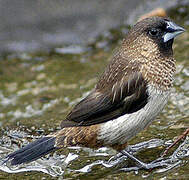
161 31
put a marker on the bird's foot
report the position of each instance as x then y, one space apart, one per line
142 165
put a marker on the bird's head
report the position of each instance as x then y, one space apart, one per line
148 48
153 35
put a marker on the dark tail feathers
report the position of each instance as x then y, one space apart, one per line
33 151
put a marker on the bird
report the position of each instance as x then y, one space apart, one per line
128 96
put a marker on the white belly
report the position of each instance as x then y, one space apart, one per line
122 129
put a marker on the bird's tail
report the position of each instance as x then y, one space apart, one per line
33 151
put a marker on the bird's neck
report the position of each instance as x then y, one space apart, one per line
157 68
160 72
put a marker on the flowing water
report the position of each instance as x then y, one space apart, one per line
37 91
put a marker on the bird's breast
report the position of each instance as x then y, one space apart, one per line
123 128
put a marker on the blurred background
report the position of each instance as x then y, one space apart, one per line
51 55
41 24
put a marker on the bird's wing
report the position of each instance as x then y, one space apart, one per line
125 96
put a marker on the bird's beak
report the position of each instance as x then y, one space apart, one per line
172 30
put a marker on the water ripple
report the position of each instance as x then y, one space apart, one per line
58 164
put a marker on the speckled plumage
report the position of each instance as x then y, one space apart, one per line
81 136
140 63
129 95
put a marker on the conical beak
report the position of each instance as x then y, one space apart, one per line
172 30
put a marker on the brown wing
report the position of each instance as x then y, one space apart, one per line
127 95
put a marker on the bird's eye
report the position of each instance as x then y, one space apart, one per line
153 32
